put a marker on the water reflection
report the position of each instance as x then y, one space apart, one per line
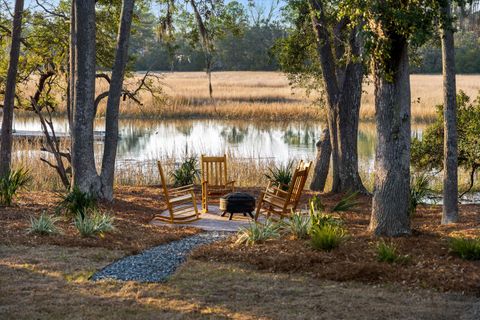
143 140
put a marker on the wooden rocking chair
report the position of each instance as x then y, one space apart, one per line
275 200
214 179
178 200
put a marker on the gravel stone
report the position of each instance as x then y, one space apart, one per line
158 263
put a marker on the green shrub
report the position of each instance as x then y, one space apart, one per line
44 225
257 233
326 237
348 202
13 182
281 175
468 249
419 190
186 173
388 252
94 223
77 203
298 225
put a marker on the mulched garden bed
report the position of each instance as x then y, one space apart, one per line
133 209
431 264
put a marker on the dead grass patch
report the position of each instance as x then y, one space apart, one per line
50 282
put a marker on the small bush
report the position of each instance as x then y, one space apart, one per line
347 203
94 223
10 185
257 233
419 190
388 252
298 225
281 175
44 225
468 249
327 237
77 203
186 173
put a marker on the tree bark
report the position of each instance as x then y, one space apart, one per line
343 89
113 102
322 162
6 139
450 152
391 196
85 175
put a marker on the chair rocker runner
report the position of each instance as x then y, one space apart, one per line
276 201
214 179
181 204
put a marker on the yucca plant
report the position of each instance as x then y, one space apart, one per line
326 237
468 249
298 225
93 223
10 184
419 190
77 203
281 175
44 224
258 232
186 173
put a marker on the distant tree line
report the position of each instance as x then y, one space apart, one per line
253 49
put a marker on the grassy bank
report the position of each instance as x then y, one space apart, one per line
262 96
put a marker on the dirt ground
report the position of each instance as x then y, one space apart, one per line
47 277
50 282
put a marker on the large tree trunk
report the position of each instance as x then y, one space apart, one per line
85 175
113 102
450 164
322 162
343 89
391 196
6 139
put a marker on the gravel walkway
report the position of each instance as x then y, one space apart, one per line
158 263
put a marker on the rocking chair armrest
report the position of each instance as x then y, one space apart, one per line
182 189
274 196
230 183
276 190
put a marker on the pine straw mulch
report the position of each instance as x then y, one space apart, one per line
430 263
133 209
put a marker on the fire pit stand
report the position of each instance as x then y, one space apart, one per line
237 202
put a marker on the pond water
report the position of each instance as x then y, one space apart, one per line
144 140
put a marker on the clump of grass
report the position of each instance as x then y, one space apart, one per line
419 190
298 225
348 202
326 237
465 248
11 183
44 224
257 233
186 173
281 175
77 203
316 204
388 252
94 223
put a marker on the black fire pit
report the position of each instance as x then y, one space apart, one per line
237 202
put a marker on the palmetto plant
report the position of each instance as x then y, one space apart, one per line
10 184
186 173
419 190
77 203
281 175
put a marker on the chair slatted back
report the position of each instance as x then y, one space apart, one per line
214 170
164 181
298 182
